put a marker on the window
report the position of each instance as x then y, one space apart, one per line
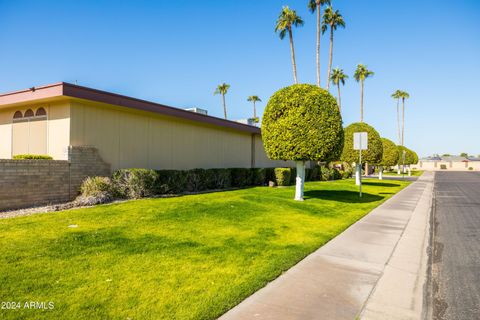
29 113
29 132
40 112
18 115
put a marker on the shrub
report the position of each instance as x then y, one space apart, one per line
443 166
32 157
171 181
326 174
259 176
241 177
218 179
96 190
282 176
470 168
346 174
135 183
196 180
312 174
270 175
335 174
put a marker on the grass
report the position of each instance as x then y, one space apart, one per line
190 257
415 173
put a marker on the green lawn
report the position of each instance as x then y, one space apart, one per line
415 173
190 257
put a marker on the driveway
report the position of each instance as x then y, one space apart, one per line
456 258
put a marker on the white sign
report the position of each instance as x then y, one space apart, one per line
360 141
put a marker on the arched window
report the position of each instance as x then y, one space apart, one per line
18 115
40 112
29 113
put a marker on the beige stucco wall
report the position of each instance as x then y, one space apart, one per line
129 138
58 128
452 166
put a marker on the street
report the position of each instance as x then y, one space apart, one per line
456 247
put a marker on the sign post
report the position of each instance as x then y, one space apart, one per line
360 142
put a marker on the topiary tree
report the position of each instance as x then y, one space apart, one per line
409 159
302 123
389 157
375 147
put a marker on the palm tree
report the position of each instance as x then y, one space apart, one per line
397 95
332 19
286 20
223 89
316 5
254 99
404 95
360 75
339 77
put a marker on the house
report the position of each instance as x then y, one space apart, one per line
127 132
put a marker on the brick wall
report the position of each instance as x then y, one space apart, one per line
28 183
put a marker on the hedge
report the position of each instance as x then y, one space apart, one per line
138 183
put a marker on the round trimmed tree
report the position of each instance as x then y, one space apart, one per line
302 123
389 157
406 157
374 151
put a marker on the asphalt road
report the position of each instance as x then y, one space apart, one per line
456 246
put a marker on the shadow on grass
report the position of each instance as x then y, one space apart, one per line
342 196
380 184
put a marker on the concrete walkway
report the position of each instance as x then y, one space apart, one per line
374 270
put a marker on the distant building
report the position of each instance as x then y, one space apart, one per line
455 163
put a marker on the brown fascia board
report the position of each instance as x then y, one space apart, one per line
64 89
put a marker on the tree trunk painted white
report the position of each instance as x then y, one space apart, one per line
409 171
300 181
380 173
358 171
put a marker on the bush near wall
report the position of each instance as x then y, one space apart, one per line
32 157
139 183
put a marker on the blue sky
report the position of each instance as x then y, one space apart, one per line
176 52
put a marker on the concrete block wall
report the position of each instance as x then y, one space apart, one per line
29 183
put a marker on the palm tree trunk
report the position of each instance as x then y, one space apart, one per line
224 107
339 98
361 101
319 23
254 110
331 57
403 121
294 65
398 122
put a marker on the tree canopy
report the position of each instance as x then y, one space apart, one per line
374 152
286 20
390 153
302 122
411 157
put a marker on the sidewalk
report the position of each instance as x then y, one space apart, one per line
374 270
